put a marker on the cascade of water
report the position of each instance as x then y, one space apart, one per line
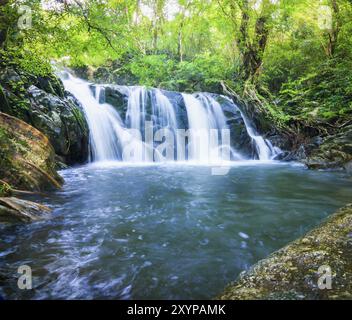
136 108
111 138
218 121
207 125
265 150
101 120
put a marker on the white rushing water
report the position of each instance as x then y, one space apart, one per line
264 147
137 138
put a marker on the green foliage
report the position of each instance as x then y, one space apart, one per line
205 70
202 73
152 70
302 65
28 61
326 93
5 189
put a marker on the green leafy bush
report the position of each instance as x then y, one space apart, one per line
325 93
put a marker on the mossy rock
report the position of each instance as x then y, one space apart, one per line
41 101
293 272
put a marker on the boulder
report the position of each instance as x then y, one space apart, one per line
43 103
27 162
294 271
63 122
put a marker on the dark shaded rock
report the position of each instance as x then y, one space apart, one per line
102 75
334 152
84 72
177 100
240 139
42 103
52 85
293 272
117 96
63 122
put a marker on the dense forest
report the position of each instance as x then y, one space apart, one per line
295 54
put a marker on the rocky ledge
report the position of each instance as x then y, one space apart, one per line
294 271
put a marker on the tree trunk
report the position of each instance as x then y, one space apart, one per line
180 41
335 29
252 50
3 28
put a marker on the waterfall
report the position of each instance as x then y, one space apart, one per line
264 148
137 133
102 120
205 116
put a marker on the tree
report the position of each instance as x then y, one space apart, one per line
334 30
6 20
253 35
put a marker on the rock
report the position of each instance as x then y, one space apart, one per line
27 159
334 152
14 209
43 103
293 272
102 75
63 122
84 72
117 96
240 140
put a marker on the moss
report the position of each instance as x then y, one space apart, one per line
80 119
5 189
293 272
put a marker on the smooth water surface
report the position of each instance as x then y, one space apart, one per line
150 232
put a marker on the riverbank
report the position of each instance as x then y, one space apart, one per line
293 272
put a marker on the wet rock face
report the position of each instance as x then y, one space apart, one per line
117 96
63 122
43 103
299 270
240 139
333 152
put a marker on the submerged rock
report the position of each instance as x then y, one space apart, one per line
294 272
14 209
